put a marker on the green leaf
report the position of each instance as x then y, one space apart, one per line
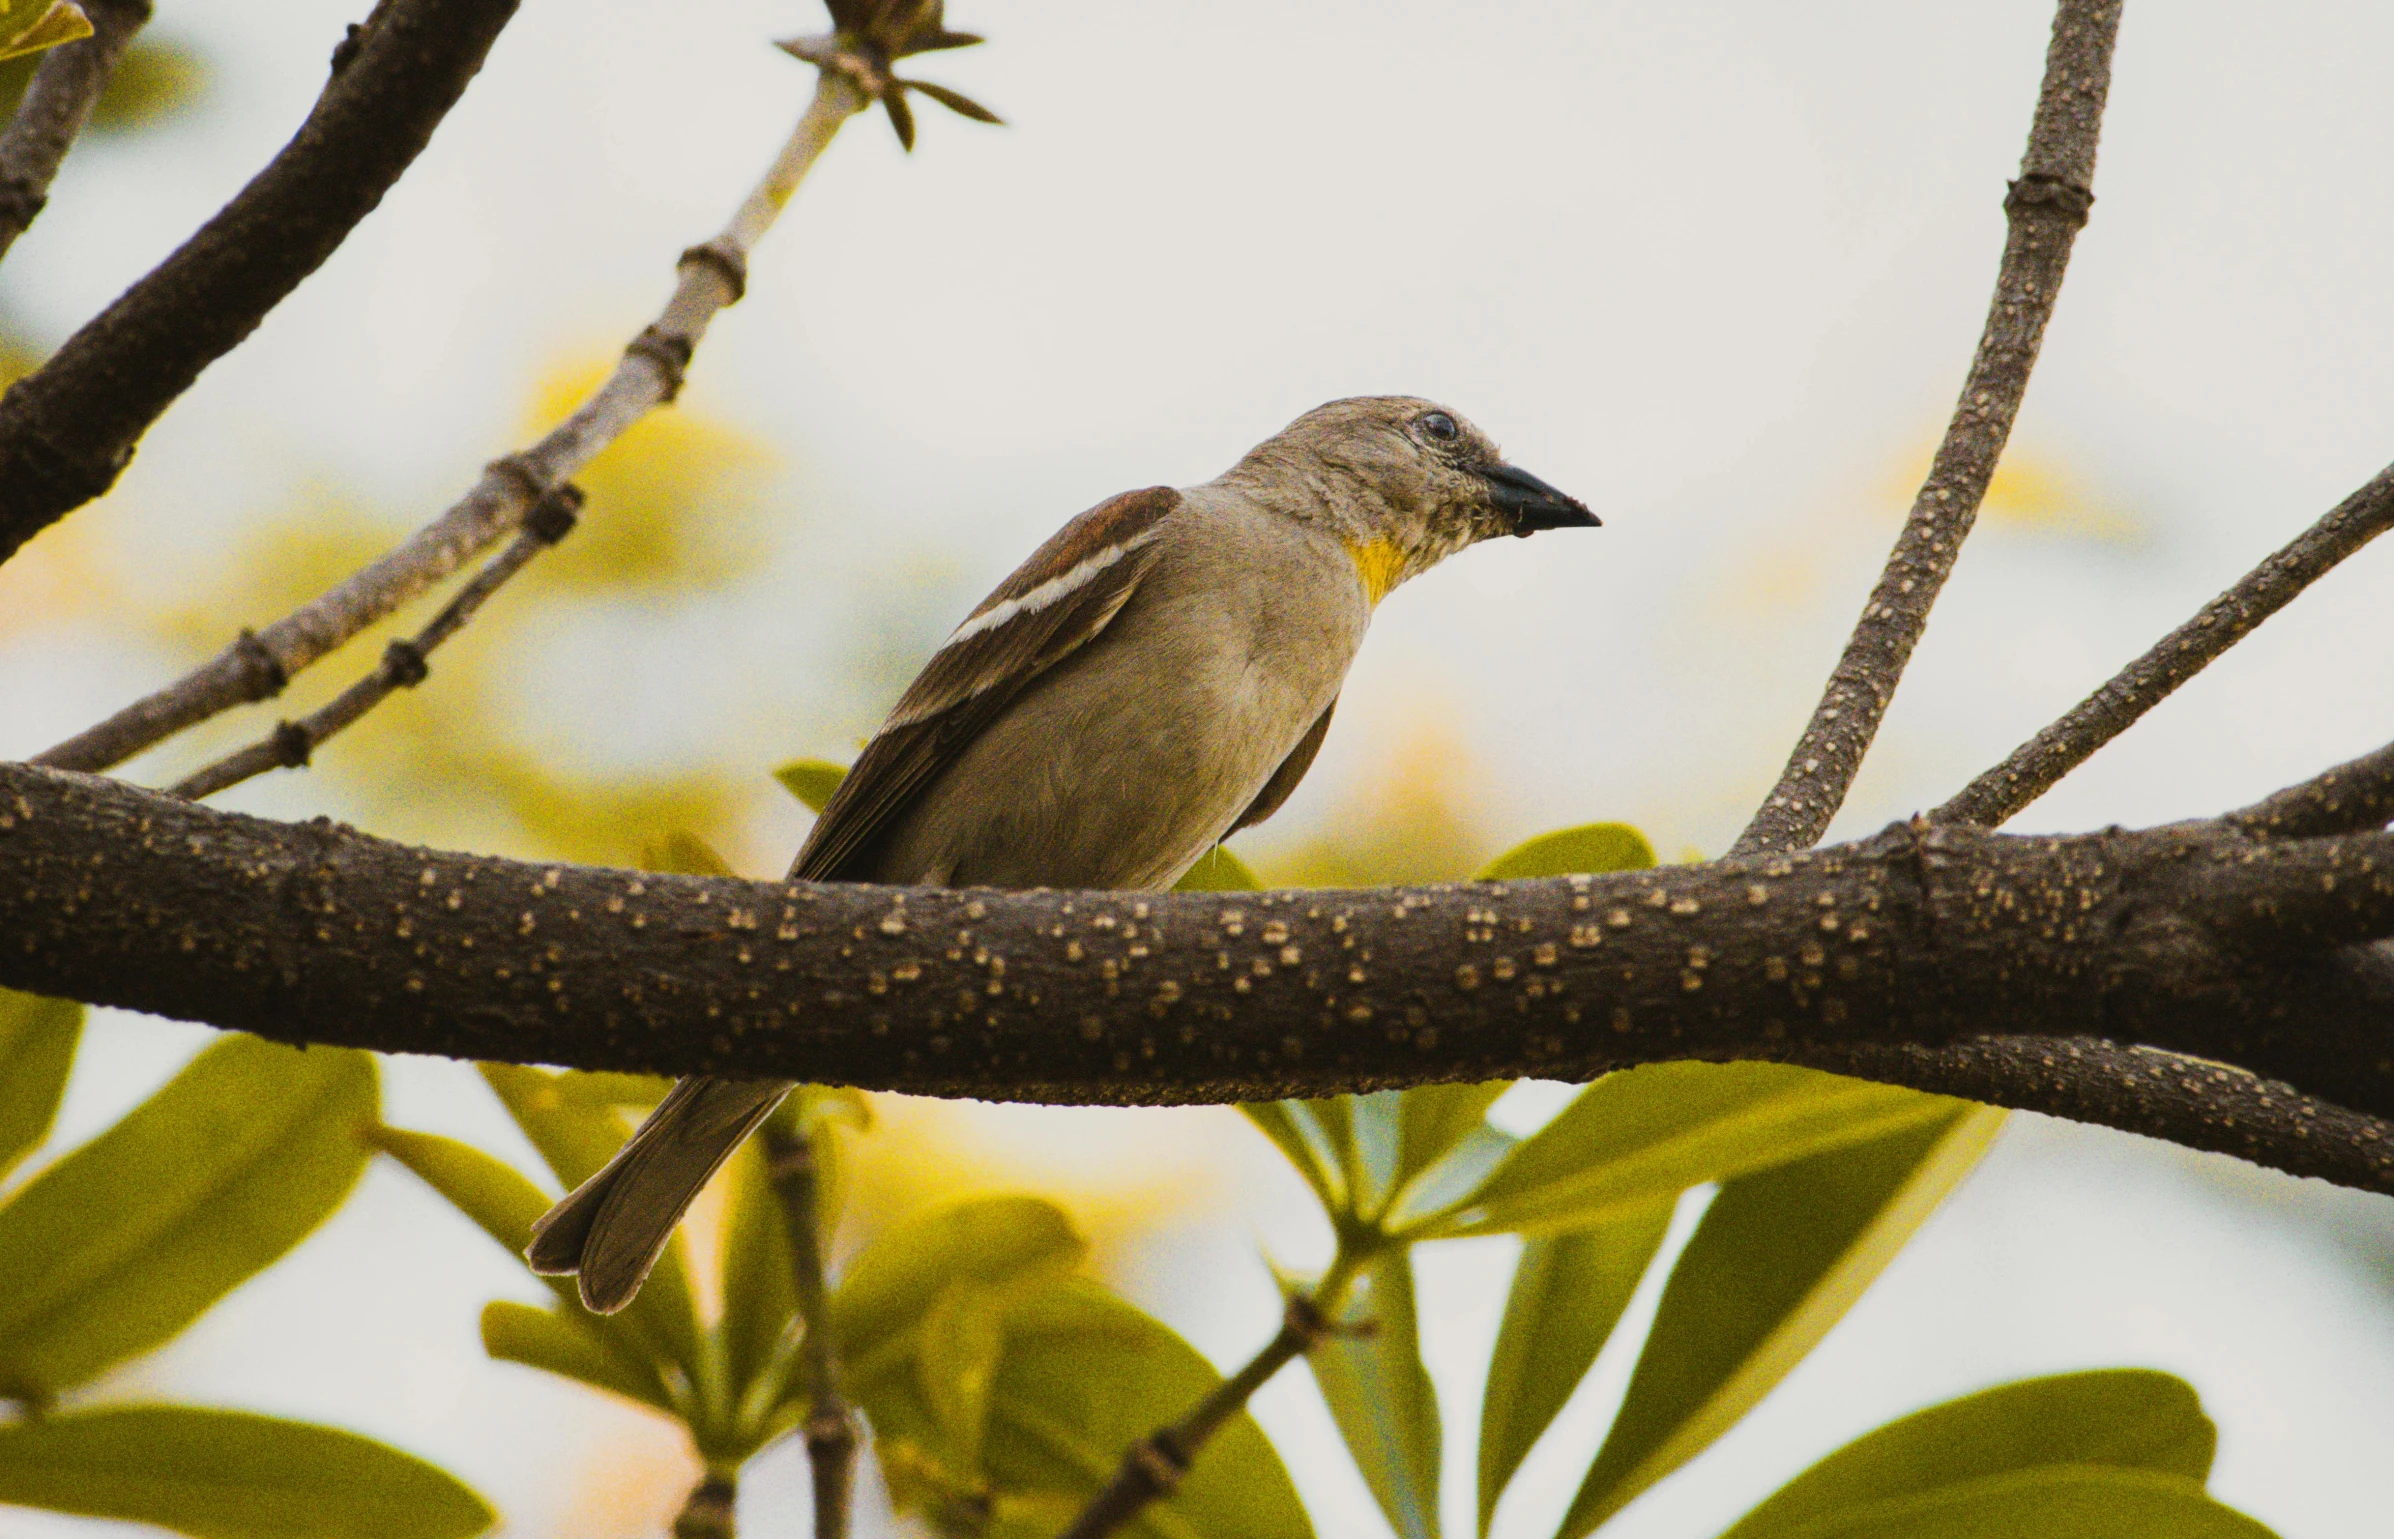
684 854
2128 1418
1568 1293
503 1205
118 1246
1779 1258
604 1091
812 780
31 27
1084 1376
1433 1119
574 1139
572 1346
2060 1501
760 1290
1379 1394
1292 1129
37 1049
1589 847
1653 1132
886 1293
231 1475
956 1360
1217 870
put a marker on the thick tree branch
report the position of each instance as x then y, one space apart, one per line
2197 938
56 104
2354 795
258 664
2036 765
2044 210
405 663
68 429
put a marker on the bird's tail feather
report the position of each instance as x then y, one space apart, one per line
613 1227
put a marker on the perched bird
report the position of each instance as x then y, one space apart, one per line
1156 677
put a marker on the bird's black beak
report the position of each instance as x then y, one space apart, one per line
1528 504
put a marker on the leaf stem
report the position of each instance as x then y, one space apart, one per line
1158 1462
830 1428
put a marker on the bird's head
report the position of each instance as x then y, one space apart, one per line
1402 482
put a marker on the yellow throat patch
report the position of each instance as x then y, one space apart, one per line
1380 564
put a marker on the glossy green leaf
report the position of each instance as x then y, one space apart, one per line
605 1091
1653 1132
1083 1377
684 854
889 1288
2061 1501
29 26
119 1245
1217 870
500 1202
1433 1119
37 1049
231 1475
1292 1130
2122 1417
760 1292
570 1345
1589 847
1379 1394
1779 1258
574 1139
812 780
1568 1293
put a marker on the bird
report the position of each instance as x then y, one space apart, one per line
1158 675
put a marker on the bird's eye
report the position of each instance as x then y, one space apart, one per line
1438 427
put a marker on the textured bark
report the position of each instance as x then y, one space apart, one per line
2044 211
68 429
2199 939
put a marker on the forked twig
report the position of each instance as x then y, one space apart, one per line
405 663
258 664
2044 209
56 104
2037 764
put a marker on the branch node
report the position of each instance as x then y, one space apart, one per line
293 744
553 517
1159 1459
2043 190
404 663
262 673
670 354
530 484
727 263
345 51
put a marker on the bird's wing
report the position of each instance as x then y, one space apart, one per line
1054 604
1292 769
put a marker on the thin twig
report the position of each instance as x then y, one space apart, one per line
405 663
67 430
2044 210
56 104
2037 764
1156 1464
258 664
2354 796
711 1512
831 1436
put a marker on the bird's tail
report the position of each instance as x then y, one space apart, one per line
613 1227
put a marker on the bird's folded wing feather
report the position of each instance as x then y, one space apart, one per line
1055 603
1292 769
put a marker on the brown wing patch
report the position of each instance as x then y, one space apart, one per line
979 672
1292 769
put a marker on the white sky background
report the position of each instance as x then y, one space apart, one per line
1716 268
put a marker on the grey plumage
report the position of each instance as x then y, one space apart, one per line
1159 673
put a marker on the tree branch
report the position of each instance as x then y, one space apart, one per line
257 665
2352 796
68 429
2194 938
2044 211
56 104
830 1429
2036 765
404 665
